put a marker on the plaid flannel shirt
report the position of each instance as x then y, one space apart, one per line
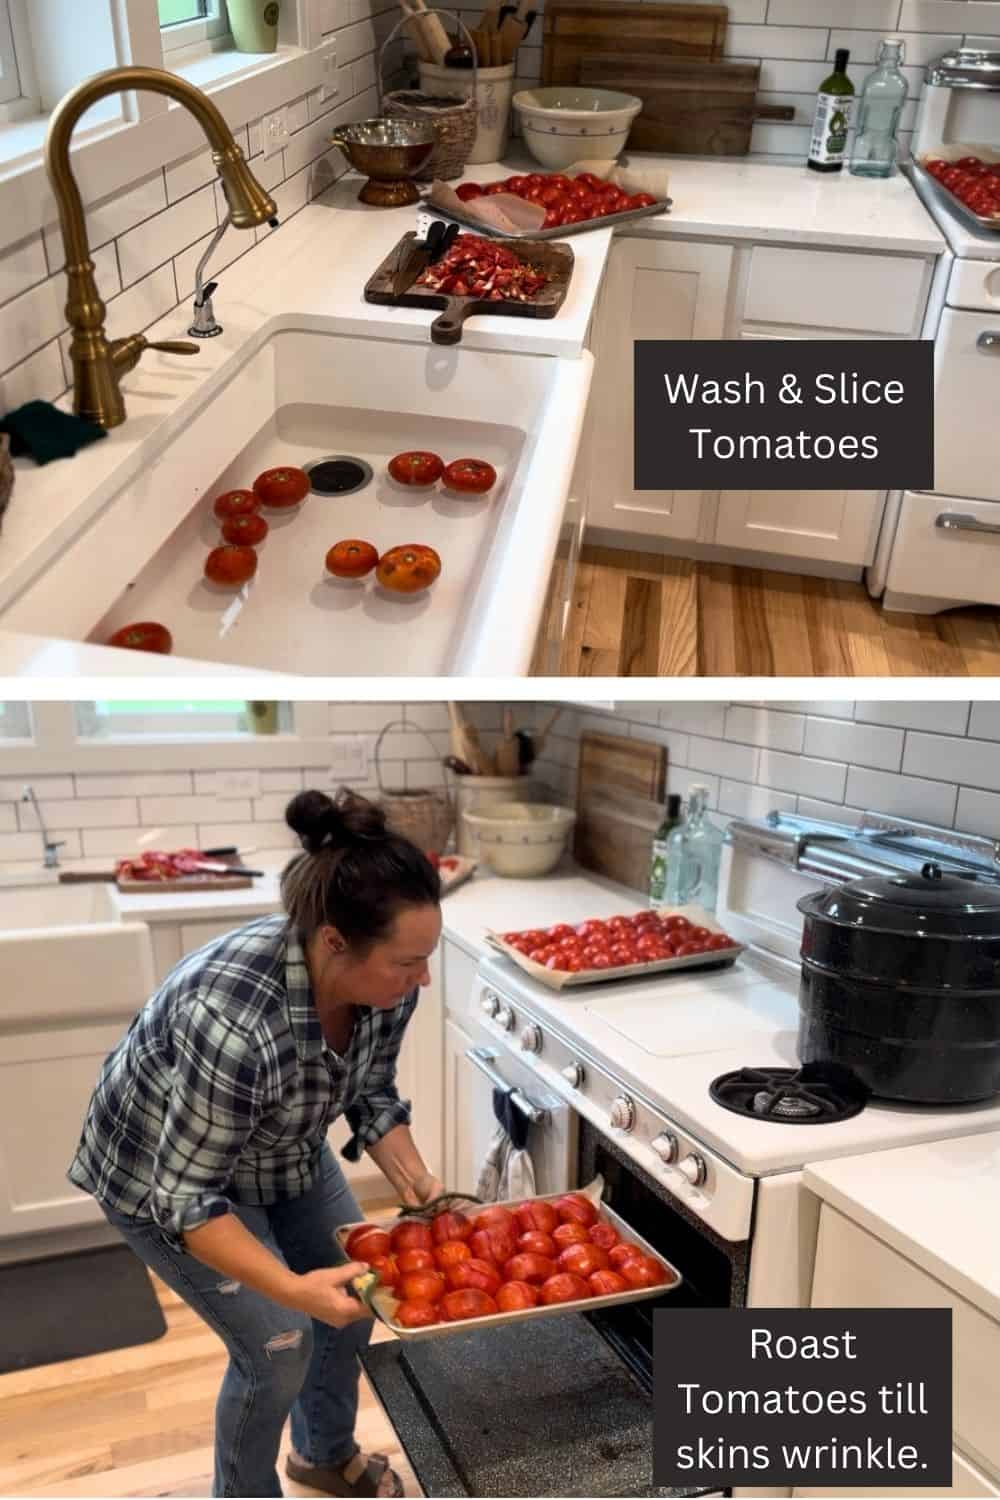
222 1089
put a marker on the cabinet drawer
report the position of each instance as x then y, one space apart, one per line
975 284
834 289
837 526
855 1269
944 563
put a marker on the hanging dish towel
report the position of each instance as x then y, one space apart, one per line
507 1171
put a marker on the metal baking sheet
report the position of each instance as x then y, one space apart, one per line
947 198
561 231
561 979
588 1304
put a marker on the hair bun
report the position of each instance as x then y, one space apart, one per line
334 822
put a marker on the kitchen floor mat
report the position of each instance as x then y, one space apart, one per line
69 1306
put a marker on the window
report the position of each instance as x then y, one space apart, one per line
185 22
15 721
10 81
108 719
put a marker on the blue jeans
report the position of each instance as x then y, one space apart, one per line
280 1361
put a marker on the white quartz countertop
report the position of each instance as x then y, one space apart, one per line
938 1204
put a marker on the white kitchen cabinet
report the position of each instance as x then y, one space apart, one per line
837 526
855 293
656 289
469 1123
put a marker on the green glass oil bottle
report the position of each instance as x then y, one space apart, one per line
832 121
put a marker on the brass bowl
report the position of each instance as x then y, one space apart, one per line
388 151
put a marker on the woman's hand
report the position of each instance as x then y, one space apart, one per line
321 1295
423 1189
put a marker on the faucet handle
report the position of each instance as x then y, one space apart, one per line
175 346
126 353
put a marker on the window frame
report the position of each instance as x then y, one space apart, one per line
11 89
168 728
14 741
212 27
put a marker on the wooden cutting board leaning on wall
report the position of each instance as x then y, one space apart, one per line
620 792
575 29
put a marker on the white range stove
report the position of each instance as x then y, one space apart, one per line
636 1060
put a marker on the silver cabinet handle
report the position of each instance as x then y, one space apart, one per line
990 342
948 521
483 1059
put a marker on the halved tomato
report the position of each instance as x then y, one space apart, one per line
281 488
144 635
230 566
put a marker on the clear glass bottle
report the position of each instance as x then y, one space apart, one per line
884 93
658 861
832 120
694 850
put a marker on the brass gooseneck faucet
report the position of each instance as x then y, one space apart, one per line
99 364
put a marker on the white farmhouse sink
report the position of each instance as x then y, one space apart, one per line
298 394
30 906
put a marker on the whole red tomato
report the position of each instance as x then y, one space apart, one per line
416 468
592 929
619 924
469 190
144 635
351 559
583 1260
494 1217
619 1255
688 950
644 1271
230 566
494 1245
411 1235
450 1226
474 1273
469 476
416 1260
536 1215
675 923
564 1287
388 1270
366 1242
718 941
604 1234
574 1208
470 1302
236 503
565 1235
450 1253
514 1296
607 1283
245 531
409 569
534 1242
417 1314
281 488
422 1286
561 931
531 1268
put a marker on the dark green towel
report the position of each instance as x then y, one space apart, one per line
41 429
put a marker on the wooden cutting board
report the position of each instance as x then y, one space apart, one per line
704 108
575 29
186 883
619 805
552 256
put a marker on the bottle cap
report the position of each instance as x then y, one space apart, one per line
673 805
840 59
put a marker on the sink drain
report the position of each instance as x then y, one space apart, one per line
340 474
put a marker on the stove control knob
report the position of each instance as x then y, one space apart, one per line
505 1017
490 1003
623 1113
666 1146
574 1074
531 1038
694 1168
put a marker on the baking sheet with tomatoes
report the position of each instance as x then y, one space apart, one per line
560 979
559 232
967 179
384 1304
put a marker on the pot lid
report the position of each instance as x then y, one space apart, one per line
966 67
929 903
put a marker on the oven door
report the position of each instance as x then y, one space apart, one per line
966 402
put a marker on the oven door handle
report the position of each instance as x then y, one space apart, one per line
989 341
483 1059
949 521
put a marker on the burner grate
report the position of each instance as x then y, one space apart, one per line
816 1094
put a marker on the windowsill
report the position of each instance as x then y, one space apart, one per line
211 65
22 141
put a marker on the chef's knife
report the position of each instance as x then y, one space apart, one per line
418 254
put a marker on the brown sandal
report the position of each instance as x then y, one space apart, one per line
333 1480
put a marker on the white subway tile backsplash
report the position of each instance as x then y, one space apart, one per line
189 174
881 14
194 809
909 796
281 781
246 836
678 746
119 843
949 15
147 246
134 784
28 846
831 812
696 718
763 726
95 812
8 820
28 321
743 801
46 788
984 721
739 762
40 378
113 216
969 762
948 717
978 812
21 267
775 41
858 744
800 773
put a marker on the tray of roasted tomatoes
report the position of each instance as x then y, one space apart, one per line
475 1265
968 178
622 947
572 204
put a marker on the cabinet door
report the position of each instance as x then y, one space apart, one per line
838 526
656 289
469 1123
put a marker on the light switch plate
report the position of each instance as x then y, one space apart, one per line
237 784
348 758
329 87
274 132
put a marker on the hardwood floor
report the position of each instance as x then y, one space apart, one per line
139 1421
636 614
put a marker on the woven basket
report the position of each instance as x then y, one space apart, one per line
454 119
425 816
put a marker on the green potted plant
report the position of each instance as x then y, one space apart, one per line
254 24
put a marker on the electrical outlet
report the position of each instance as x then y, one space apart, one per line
237 784
274 132
329 85
348 758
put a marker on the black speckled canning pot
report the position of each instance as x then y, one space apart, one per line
901 983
